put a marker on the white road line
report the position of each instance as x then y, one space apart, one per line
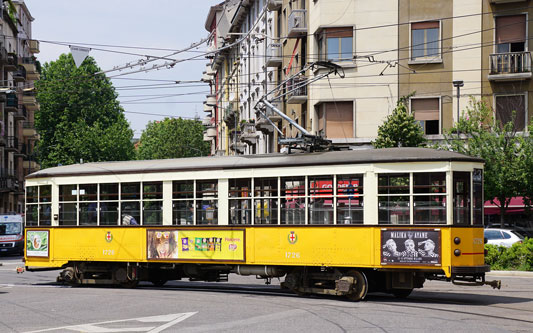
168 320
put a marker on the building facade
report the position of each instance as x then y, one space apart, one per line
18 137
439 54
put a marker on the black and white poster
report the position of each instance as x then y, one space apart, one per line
415 247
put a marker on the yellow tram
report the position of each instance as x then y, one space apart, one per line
340 223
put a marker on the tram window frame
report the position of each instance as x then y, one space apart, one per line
390 194
351 215
88 204
464 178
152 203
32 206
68 205
108 204
206 202
240 201
429 198
266 200
477 195
42 208
319 198
183 202
296 199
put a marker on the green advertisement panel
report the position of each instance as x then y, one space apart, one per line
37 243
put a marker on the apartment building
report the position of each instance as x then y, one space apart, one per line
439 53
17 104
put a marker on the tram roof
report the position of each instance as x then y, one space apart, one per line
386 155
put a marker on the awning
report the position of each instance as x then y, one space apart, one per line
515 206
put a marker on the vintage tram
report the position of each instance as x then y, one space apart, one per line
339 222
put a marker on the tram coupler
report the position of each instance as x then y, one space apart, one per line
495 284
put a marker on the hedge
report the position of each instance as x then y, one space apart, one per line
519 257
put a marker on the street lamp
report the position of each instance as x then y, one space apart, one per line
458 84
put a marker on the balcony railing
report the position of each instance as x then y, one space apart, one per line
297 24
273 56
510 66
12 143
20 74
12 102
297 90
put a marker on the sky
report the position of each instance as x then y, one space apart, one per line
161 24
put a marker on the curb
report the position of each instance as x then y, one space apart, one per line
511 273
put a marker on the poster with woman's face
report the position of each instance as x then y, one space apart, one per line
407 246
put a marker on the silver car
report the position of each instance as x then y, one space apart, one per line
503 237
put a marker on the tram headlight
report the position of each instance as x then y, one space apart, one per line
457 252
457 240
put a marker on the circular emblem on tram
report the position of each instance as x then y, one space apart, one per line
293 238
108 237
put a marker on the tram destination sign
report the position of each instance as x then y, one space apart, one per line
411 247
197 245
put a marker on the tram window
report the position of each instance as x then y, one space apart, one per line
130 191
206 189
240 188
293 186
183 189
183 212
429 182
266 211
68 192
293 210
320 199
266 187
477 179
350 199
109 191
461 198
68 214
130 208
88 213
153 190
240 211
393 184
45 214
32 194
429 209
88 192
207 212
393 210
152 212
45 193
32 215
109 213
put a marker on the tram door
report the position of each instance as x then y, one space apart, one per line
461 198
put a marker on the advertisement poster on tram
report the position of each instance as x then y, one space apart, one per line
414 247
195 244
37 243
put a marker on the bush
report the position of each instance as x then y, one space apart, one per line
518 257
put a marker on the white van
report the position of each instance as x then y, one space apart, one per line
11 234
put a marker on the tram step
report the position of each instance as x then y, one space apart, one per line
222 277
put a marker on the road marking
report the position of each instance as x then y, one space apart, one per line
167 320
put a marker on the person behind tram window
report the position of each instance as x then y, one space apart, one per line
129 220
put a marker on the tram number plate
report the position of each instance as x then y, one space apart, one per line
108 252
292 255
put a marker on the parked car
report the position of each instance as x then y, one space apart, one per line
503 237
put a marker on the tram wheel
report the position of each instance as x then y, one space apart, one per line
360 287
401 293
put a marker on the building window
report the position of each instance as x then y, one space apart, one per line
426 113
425 40
509 106
335 120
336 44
510 33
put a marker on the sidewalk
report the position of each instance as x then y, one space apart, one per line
511 273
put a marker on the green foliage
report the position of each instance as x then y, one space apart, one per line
518 257
477 134
80 117
173 138
400 129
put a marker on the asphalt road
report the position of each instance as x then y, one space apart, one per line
34 302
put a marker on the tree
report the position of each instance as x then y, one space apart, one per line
400 129
80 117
173 138
477 134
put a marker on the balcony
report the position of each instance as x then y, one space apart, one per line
12 102
231 116
8 183
238 147
274 4
30 65
28 129
20 74
12 143
273 55
10 62
297 24
31 166
206 121
34 45
249 135
21 114
29 100
264 126
297 90
211 132
512 66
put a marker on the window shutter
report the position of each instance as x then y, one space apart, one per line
425 108
339 120
510 29
425 25
339 32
